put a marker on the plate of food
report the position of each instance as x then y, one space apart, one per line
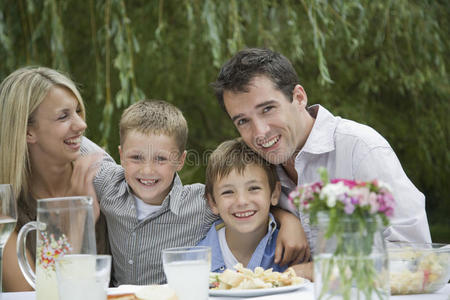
243 282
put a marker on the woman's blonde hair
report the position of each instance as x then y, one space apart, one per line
20 95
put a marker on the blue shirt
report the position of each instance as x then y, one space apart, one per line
262 257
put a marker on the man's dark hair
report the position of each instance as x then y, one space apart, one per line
237 73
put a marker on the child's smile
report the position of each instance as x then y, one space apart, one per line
243 199
245 214
150 162
148 182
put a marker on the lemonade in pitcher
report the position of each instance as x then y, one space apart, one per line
46 285
48 251
63 226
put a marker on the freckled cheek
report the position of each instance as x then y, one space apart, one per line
225 205
130 171
265 207
166 172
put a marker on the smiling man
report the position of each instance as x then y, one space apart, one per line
260 91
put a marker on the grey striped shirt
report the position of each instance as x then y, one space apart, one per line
183 220
87 146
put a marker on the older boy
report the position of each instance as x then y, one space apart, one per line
146 206
240 187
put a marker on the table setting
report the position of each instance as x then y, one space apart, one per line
305 293
351 259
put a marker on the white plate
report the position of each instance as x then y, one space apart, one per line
258 292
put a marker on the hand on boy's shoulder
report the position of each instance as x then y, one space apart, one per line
81 182
86 166
292 244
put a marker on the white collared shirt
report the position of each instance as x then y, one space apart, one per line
357 152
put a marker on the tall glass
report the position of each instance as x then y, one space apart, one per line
8 219
63 226
187 271
83 276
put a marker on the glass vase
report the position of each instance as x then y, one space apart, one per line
350 260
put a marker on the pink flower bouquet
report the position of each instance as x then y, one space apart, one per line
343 197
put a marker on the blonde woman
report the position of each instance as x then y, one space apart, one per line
42 121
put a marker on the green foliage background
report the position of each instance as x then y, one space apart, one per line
382 63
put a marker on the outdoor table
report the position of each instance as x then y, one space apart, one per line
305 293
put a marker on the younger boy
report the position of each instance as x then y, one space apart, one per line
240 187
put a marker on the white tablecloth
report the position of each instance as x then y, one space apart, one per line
304 294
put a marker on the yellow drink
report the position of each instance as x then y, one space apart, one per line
46 284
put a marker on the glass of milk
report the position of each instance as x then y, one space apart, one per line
83 276
187 271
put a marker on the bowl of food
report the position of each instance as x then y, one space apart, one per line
418 268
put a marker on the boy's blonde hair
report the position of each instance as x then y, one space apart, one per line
235 155
155 117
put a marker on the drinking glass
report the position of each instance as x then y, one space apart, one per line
83 276
187 271
8 219
63 226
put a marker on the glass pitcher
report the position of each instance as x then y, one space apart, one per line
63 226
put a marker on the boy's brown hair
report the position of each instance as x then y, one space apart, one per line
235 155
155 117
